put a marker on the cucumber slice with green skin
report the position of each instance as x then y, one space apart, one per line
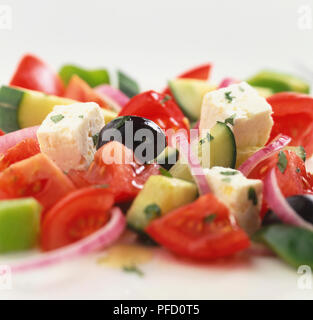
127 85
92 77
299 151
19 224
189 94
218 148
159 196
167 158
20 108
279 82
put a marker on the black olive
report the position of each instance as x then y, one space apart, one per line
302 204
141 135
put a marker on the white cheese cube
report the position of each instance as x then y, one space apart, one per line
249 112
242 196
67 134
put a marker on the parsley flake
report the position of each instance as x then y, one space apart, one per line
228 96
252 196
166 98
165 173
210 218
231 119
95 139
81 116
228 173
209 137
57 118
152 211
133 269
282 162
122 121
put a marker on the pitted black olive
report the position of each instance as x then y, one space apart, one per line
141 135
302 204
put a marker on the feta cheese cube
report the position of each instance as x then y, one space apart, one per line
67 134
246 109
242 196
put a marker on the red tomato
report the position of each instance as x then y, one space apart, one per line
76 216
293 116
34 74
36 177
124 180
158 108
200 230
2 133
79 90
294 180
201 72
23 150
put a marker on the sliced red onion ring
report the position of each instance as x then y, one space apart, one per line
98 240
277 144
227 82
116 95
193 162
11 139
277 202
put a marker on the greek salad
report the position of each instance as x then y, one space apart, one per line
202 169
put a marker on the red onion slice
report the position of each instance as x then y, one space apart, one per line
193 163
278 203
227 82
277 144
116 95
11 139
98 240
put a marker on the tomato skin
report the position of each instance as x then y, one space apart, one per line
293 116
155 106
34 74
23 150
2 133
124 180
75 216
295 179
36 177
185 232
79 90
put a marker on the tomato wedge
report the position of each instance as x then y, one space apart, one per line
124 180
79 90
292 181
23 150
201 72
76 216
34 74
2 133
157 107
36 177
293 116
201 230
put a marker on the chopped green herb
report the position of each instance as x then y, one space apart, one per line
81 116
282 162
165 173
231 119
209 137
229 173
202 141
166 98
298 170
57 118
101 186
228 96
226 180
210 218
303 153
95 139
133 269
252 196
122 121
152 211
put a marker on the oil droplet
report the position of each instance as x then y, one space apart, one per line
122 255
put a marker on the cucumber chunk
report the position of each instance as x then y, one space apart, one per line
127 85
159 196
189 94
279 82
19 224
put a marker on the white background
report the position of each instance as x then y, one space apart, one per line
153 41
